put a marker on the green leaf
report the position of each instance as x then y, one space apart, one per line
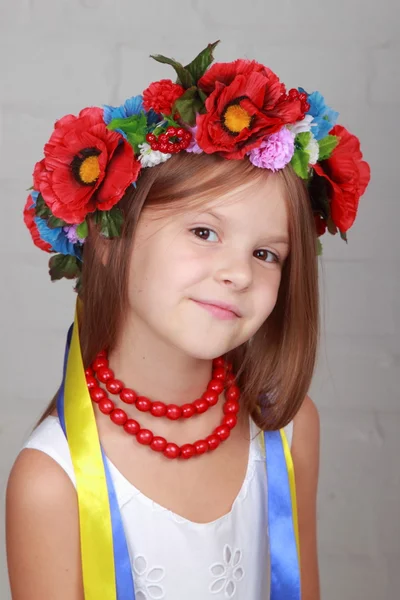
203 60
82 230
61 265
343 235
184 77
110 221
41 209
303 139
331 226
299 163
327 146
188 105
135 128
54 222
319 247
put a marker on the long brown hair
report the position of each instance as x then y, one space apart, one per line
274 369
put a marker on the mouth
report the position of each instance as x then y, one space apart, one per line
221 310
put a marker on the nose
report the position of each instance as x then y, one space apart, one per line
234 269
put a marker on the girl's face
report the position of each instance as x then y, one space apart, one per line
230 251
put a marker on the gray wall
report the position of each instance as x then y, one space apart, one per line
57 56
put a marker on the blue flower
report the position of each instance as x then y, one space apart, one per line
324 117
56 237
132 106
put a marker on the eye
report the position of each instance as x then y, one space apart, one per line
204 233
262 254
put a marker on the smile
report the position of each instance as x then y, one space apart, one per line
219 310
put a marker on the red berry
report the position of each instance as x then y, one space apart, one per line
104 374
91 382
185 144
223 432
144 437
158 409
171 131
174 412
213 441
233 393
211 397
150 138
231 407
132 427
143 404
175 148
201 446
180 132
187 451
201 405
230 420
97 394
155 146
118 416
158 443
171 451
128 396
187 136
188 410
165 147
163 138
106 406
114 386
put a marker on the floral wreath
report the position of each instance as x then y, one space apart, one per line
238 110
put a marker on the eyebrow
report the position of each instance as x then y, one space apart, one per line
270 239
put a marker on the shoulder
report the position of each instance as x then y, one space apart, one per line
41 505
306 427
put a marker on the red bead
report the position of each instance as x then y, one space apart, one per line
188 410
216 386
132 427
97 394
143 404
180 132
187 451
187 136
230 420
89 371
163 138
185 144
218 362
118 416
106 406
100 361
165 147
230 379
211 397
213 441
174 412
128 396
91 382
233 393
175 148
171 450
201 446
219 373
144 437
150 138
158 409
201 405
171 131
158 444
114 386
223 432
155 146
104 374
231 407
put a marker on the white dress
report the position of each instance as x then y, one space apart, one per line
176 559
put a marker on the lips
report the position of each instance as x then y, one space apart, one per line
222 305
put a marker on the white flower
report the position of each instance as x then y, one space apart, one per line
148 584
313 150
227 573
151 158
302 126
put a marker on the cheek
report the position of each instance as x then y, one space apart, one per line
266 295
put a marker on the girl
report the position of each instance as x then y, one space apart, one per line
193 346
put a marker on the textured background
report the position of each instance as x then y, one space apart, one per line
57 56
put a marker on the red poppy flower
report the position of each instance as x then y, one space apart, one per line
29 215
246 102
86 167
347 175
161 95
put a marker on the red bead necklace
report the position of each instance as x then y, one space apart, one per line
222 377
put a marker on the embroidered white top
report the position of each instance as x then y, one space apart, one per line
226 558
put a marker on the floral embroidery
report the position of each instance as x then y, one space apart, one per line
147 580
227 573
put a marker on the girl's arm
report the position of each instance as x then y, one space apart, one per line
42 531
305 453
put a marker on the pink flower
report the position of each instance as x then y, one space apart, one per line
193 145
275 151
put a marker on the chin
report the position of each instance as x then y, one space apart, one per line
207 349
